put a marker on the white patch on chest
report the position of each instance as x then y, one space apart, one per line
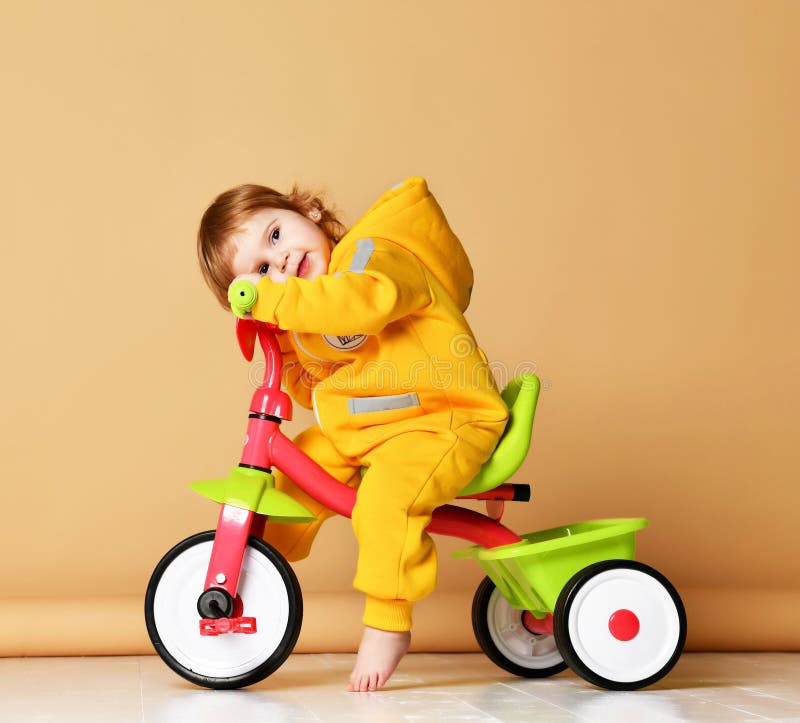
345 343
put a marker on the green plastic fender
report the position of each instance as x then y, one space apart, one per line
254 490
520 396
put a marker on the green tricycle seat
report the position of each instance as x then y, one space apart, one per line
520 396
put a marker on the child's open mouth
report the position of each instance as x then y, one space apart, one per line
302 269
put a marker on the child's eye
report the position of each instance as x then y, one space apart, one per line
263 269
276 235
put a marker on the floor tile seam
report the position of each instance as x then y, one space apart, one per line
699 696
742 710
474 707
762 694
309 709
555 705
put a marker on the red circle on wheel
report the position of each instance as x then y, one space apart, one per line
623 625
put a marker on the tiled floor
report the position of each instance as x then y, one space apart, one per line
702 687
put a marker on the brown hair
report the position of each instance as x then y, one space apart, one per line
228 213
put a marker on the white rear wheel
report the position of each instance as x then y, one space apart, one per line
507 639
620 624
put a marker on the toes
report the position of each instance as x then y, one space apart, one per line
358 682
364 682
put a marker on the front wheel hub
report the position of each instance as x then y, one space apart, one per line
214 604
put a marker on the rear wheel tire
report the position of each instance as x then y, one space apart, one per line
620 624
500 632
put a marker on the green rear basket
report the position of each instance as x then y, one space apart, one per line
530 574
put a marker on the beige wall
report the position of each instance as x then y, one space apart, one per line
624 176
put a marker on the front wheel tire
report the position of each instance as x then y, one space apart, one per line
269 592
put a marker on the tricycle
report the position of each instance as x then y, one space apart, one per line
223 608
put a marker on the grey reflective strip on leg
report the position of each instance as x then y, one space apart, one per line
362 405
361 257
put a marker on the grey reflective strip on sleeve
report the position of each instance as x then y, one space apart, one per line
361 257
362 405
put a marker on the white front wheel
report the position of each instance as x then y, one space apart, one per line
269 592
620 624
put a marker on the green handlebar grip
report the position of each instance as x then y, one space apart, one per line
242 296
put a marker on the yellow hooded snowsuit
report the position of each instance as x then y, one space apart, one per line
379 346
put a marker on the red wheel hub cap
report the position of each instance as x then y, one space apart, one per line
623 625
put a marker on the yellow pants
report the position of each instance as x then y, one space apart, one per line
409 476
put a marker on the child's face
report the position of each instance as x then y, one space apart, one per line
280 244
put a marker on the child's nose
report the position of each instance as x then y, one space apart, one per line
284 261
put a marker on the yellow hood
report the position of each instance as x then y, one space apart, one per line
409 216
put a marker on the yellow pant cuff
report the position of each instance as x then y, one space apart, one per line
383 614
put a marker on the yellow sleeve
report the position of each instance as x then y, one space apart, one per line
382 283
297 381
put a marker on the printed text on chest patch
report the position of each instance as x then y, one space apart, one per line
345 343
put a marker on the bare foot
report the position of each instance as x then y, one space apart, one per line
378 655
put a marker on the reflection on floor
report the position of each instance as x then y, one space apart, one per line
702 687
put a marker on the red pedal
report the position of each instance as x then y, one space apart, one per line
227 625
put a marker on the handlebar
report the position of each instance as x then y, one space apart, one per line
268 398
242 297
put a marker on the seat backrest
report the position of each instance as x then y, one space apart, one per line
520 396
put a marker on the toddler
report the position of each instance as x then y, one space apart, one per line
378 345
